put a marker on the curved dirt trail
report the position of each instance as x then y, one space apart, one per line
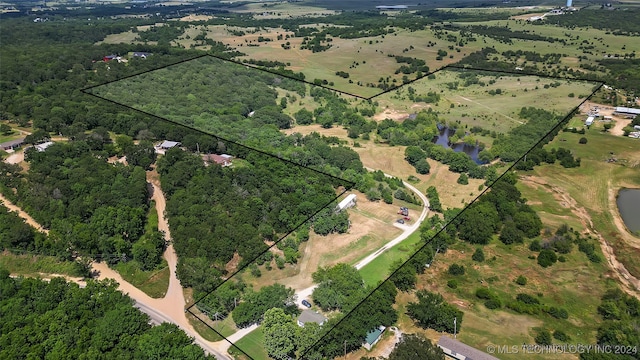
629 283
23 214
171 308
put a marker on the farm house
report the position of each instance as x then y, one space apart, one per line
347 202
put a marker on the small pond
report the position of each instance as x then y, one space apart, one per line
629 207
443 140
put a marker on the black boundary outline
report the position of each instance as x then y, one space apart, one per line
351 184
450 222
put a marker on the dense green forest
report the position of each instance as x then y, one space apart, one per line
90 206
60 320
215 212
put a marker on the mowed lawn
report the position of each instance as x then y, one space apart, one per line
252 344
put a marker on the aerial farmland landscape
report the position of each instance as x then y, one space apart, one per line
317 179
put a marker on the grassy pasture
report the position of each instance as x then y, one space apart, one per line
473 105
594 184
281 10
568 285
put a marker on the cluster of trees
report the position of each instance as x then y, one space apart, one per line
510 147
540 155
347 332
340 287
413 346
418 158
562 242
256 303
15 233
434 199
432 312
283 338
506 35
413 65
620 313
61 320
90 206
234 210
501 210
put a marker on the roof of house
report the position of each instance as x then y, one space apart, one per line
12 143
589 120
169 144
111 56
373 335
141 54
218 159
623 109
44 146
346 201
311 316
463 349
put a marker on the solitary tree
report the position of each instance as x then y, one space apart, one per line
413 346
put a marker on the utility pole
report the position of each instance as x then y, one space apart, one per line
455 327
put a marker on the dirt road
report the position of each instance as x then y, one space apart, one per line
171 308
9 205
628 282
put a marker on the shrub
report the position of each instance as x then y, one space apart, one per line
455 269
492 304
463 179
535 245
560 335
583 140
527 299
453 283
547 258
478 255
521 280
558 313
543 337
483 293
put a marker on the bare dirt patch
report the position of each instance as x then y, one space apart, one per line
390 114
629 283
371 227
193 17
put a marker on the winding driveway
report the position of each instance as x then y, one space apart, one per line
306 293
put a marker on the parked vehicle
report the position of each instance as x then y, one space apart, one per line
306 303
400 221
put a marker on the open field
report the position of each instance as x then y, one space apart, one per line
481 104
371 227
281 10
594 184
379 268
568 285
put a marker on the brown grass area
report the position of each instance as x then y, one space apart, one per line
371 227
338 131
